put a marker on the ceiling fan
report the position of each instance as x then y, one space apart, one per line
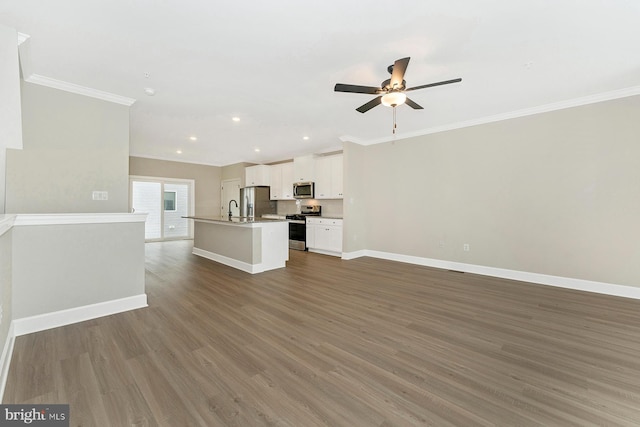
391 92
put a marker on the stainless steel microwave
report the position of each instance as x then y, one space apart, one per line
303 190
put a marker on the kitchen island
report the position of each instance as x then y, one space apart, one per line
251 245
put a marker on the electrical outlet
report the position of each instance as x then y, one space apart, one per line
465 247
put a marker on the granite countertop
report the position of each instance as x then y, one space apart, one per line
235 219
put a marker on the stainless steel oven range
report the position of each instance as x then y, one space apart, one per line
298 226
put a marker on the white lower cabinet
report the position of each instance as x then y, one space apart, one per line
324 235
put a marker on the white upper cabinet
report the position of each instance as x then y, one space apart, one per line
287 181
303 169
329 177
282 181
257 175
275 181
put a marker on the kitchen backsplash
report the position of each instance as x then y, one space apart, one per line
331 208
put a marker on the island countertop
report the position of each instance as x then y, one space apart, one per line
235 220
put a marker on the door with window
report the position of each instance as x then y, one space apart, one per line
230 197
166 202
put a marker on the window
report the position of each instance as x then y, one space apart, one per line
170 201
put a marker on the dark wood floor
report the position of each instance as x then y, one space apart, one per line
327 342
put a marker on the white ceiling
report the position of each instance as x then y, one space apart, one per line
274 64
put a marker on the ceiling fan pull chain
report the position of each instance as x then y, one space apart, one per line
394 119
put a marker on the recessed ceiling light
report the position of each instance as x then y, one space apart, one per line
149 91
257 150
306 138
235 119
193 138
179 151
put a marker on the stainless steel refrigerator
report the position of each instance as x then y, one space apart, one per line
255 202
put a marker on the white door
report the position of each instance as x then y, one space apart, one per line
230 191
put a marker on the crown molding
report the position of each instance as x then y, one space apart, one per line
80 90
22 37
585 100
349 138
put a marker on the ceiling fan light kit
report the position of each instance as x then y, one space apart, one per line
391 92
393 99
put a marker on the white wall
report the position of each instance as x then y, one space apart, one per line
555 194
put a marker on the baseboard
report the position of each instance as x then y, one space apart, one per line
41 322
240 265
5 359
353 255
523 276
324 252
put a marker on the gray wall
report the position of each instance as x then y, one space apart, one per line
10 114
555 193
73 145
207 180
235 242
236 171
58 267
5 286
359 199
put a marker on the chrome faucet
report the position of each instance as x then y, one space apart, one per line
230 214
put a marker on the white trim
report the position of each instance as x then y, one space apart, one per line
41 322
240 265
353 255
6 222
22 37
585 100
349 138
524 276
325 252
160 178
5 360
84 218
80 90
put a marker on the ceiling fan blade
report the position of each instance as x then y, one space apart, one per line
413 105
397 76
371 90
369 105
445 82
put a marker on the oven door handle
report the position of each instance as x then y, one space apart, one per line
297 221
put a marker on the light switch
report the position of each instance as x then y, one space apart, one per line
100 195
